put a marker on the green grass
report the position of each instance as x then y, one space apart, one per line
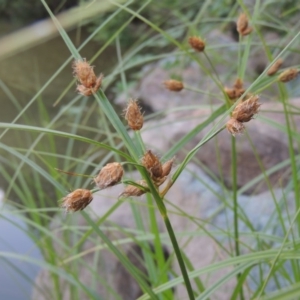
69 141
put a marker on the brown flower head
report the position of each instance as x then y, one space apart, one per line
288 75
245 110
237 90
109 175
174 85
274 68
234 93
158 181
197 43
134 116
167 167
235 127
131 190
231 93
242 25
238 84
152 164
89 83
247 31
84 73
77 200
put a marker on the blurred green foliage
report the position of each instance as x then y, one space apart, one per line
25 12
164 13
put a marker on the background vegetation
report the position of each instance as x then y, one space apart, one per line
81 135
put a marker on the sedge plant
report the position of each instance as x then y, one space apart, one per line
158 175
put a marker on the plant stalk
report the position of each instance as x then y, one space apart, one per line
235 205
179 257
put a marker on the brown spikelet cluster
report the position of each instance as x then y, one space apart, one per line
109 175
151 162
155 168
245 110
243 113
197 43
288 75
236 91
133 115
234 126
89 83
131 190
274 68
77 200
173 85
242 25
158 172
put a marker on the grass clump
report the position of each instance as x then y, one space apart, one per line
157 176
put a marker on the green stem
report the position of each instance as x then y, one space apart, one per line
234 195
163 211
235 204
284 98
179 257
120 128
292 153
161 276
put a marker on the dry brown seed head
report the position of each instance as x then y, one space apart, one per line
242 23
235 127
197 43
84 73
247 31
277 64
167 167
98 83
160 180
77 200
245 110
174 85
131 190
288 75
134 116
89 83
238 84
81 89
152 164
231 93
237 90
109 175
